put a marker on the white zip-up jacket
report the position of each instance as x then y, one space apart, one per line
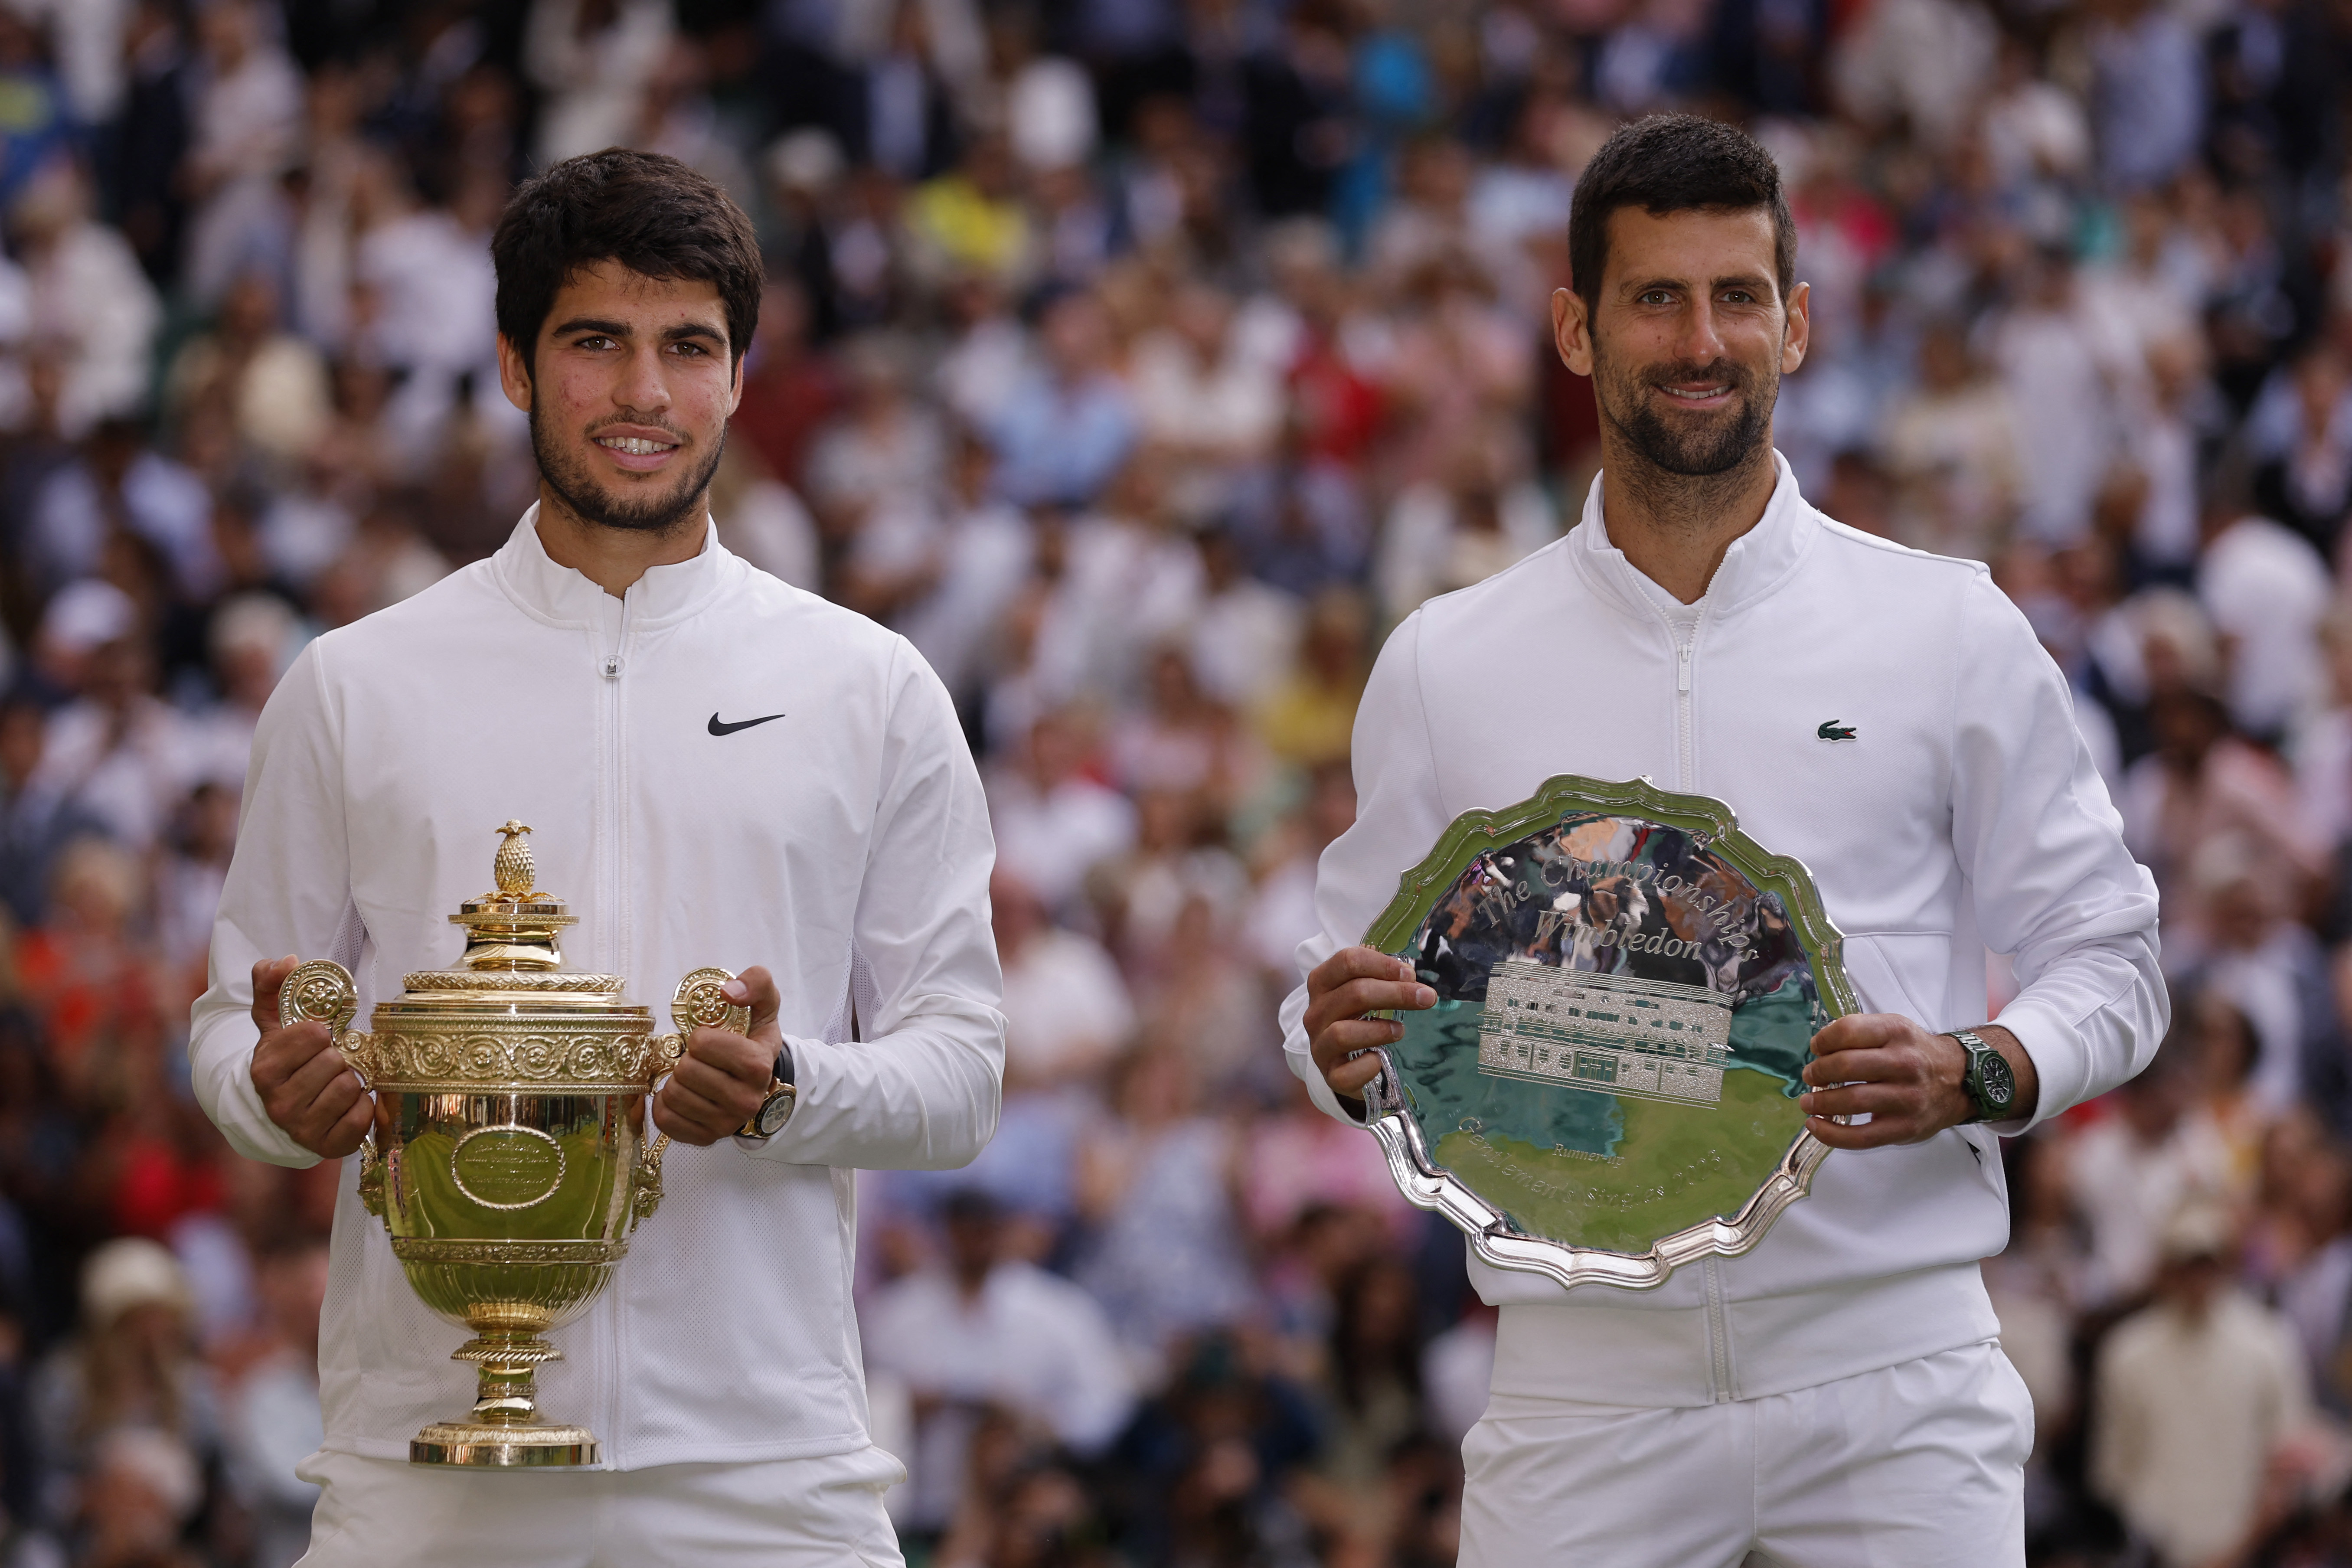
845 844
1964 814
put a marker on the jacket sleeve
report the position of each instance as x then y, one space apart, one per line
288 890
921 1090
2043 852
1398 817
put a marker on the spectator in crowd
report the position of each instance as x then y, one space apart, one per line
989 1333
2199 1394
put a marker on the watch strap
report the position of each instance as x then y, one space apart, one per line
779 1087
1980 1092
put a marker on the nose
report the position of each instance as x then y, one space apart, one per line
1701 341
643 386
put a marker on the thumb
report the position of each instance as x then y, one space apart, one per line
268 975
756 989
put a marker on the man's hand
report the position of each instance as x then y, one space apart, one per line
303 1081
723 1075
1910 1082
1345 986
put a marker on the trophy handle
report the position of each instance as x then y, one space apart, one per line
371 1175
697 1003
318 992
321 991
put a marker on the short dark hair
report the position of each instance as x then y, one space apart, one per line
644 210
1670 164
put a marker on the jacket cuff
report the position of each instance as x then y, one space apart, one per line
239 1115
2062 1068
1319 1090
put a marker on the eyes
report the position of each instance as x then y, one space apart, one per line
1662 297
682 348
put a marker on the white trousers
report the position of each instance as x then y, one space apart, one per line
776 1513
1919 1465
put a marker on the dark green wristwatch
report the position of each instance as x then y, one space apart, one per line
1989 1080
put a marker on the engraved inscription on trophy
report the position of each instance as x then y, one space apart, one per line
506 1167
1614 1034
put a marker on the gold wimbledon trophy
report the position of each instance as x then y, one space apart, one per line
509 1158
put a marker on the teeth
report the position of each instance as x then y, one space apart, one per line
635 446
1678 392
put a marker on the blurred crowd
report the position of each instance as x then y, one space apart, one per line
1144 362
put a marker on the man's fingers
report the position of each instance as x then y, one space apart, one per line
268 976
719 1083
349 1130
1860 1067
1876 1098
331 1101
1859 1031
738 1056
282 1053
1339 1041
1349 1078
1357 997
1877 1133
309 1078
1357 963
1344 987
690 1118
693 1104
756 988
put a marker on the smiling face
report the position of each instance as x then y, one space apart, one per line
628 388
1687 337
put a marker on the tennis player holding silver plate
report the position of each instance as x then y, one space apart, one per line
1610 1034
1627 988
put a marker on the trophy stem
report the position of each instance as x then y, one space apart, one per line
505 1432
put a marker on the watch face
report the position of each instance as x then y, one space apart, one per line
2000 1082
774 1112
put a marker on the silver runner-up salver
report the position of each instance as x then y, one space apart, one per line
1627 991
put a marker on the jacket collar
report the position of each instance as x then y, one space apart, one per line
564 595
1756 563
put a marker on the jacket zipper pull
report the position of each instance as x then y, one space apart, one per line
612 666
1682 669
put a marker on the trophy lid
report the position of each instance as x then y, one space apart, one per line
515 926
512 946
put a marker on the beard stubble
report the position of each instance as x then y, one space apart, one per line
567 474
1719 447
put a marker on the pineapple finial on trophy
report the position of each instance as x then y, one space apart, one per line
514 868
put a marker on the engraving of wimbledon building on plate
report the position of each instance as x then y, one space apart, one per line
1611 1033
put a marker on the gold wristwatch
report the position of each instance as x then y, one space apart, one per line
777 1109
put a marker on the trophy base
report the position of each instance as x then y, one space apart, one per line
485 1445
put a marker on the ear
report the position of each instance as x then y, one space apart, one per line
1572 331
735 387
1796 332
514 373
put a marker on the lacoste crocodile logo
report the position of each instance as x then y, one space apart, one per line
1831 730
718 729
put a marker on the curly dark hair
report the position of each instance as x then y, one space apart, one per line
650 213
1670 164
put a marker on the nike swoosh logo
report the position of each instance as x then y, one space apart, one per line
718 729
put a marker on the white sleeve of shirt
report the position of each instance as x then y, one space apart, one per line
1398 817
288 891
921 1090
2043 849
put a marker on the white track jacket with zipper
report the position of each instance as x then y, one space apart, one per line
844 843
1964 815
